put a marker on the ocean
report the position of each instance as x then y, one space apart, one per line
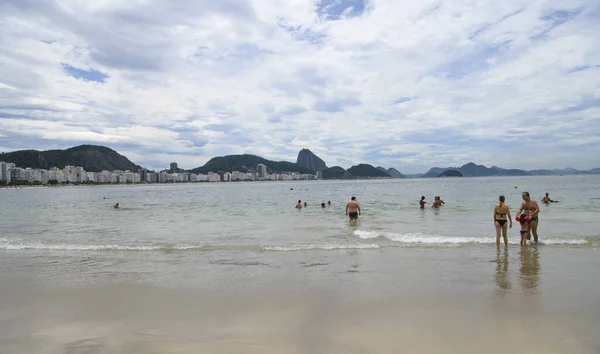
235 268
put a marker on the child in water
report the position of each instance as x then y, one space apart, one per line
524 220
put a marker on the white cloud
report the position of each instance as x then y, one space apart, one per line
486 80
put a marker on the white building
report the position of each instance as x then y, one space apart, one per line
214 177
17 174
319 175
226 177
90 177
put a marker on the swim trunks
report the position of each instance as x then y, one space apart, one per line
533 218
353 215
501 222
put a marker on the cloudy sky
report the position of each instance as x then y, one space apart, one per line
398 83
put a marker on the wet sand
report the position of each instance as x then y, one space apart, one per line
147 319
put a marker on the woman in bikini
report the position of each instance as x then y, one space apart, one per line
501 217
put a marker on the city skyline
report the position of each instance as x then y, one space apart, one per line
400 84
10 174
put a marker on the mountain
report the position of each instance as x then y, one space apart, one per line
92 158
355 172
364 170
435 171
594 171
394 173
473 170
308 159
565 171
451 173
245 163
335 172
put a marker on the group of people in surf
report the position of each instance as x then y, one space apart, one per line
527 216
299 205
437 202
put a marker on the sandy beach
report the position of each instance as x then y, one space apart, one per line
235 268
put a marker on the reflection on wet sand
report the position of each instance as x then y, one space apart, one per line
530 270
502 277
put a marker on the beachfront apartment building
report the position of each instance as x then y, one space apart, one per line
261 170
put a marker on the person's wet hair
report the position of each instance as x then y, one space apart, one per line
501 199
353 198
299 201
526 193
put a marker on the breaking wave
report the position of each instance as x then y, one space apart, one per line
424 239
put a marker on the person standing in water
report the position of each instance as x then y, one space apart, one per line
546 199
501 217
531 209
422 202
437 202
299 205
353 209
116 206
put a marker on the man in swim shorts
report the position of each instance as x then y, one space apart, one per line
353 209
531 208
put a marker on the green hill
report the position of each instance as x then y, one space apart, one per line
354 172
244 163
92 158
364 171
335 172
451 173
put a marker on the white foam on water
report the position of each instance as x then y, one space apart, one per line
366 235
324 247
5 245
419 238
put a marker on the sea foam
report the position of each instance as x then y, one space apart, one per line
419 238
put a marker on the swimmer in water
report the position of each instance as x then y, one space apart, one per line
501 216
299 205
116 206
546 199
329 202
353 209
305 204
322 205
422 202
437 202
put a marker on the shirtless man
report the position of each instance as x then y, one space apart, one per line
531 208
437 202
501 217
353 209
116 206
299 205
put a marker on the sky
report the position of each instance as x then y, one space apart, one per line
393 83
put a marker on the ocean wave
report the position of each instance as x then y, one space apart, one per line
16 246
5 245
325 247
419 238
